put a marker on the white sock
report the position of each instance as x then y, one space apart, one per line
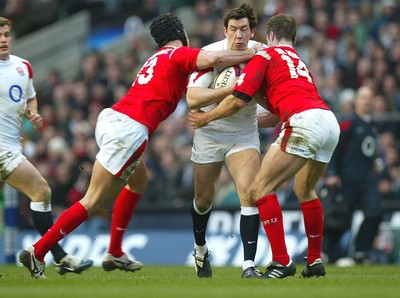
247 264
201 250
248 210
40 206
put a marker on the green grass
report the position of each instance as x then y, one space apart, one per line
180 281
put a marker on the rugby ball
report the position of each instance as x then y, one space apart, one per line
226 76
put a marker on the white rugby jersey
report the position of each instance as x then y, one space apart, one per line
244 119
16 87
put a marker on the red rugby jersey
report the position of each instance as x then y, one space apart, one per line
159 85
289 86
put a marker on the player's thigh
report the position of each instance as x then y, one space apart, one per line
306 180
122 141
28 180
277 167
243 167
206 180
209 146
103 189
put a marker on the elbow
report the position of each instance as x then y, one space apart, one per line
239 104
191 101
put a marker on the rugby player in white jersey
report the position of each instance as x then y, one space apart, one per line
233 140
18 100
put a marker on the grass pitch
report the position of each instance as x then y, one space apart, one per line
180 281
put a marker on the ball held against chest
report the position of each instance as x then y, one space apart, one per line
226 76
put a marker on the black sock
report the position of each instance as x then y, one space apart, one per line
249 226
43 221
199 226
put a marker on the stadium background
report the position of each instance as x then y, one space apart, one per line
85 54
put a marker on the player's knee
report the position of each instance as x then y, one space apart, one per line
145 179
203 203
41 192
245 198
255 194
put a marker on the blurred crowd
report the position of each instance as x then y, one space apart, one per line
346 44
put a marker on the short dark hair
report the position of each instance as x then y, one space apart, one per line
243 11
283 25
5 22
167 27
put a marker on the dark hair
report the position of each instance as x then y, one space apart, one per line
167 27
5 22
243 11
284 27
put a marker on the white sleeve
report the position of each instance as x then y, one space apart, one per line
30 90
205 77
201 78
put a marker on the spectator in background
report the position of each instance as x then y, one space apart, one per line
353 171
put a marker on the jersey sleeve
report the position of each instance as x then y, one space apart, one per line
186 58
252 78
30 89
202 78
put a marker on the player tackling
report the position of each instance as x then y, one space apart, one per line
308 137
122 132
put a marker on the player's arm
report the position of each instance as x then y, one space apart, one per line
32 113
227 107
198 97
267 119
225 58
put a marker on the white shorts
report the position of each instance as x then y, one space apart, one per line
121 140
312 134
211 145
9 161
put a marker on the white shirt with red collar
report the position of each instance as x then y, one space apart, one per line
16 87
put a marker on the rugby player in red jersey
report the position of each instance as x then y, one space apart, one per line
303 149
122 132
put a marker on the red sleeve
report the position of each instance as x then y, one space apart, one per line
29 69
252 77
186 57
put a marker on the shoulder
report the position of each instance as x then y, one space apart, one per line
17 59
184 53
252 43
215 46
20 62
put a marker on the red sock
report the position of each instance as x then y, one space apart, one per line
313 223
271 219
123 210
68 221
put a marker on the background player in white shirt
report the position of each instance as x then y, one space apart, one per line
233 139
18 100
